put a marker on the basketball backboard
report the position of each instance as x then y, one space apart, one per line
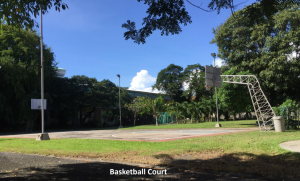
37 104
213 76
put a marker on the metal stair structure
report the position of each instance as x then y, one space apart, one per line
262 107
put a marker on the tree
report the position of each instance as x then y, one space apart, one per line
169 80
263 48
92 94
155 106
191 108
174 107
167 15
193 76
20 75
136 107
234 98
18 12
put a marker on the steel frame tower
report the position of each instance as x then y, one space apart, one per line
262 107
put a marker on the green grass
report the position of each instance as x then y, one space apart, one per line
225 124
253 142
251 152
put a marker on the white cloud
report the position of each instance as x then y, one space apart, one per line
186 84
143 82
219 62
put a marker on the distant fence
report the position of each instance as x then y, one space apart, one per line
291 116
165 118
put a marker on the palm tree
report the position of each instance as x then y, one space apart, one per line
157 105
174 107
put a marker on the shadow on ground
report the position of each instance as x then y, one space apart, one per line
239 166
284 166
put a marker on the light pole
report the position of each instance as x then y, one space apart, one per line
42 136
120 102
217 115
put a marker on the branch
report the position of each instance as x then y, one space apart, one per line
199 6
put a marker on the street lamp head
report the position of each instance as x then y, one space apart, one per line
119 75
213 55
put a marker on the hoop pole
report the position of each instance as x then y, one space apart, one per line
42 73
216 99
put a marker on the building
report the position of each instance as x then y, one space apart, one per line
60 72
152 95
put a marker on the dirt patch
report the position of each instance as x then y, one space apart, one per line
265 165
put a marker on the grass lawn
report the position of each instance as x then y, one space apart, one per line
245 152
225 124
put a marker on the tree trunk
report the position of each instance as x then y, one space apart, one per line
89 114
134 118
246 116
226 115
234 116
192 118
156 120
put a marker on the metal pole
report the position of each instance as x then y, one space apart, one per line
120 103
42 73
216 99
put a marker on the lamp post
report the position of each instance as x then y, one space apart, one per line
42 136
120 102
217 115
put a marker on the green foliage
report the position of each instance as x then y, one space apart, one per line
162 15
234 97
167 15
90 94
20 75
155 106
193 76
262 48
137 106
169 80
174 107
285 110
18 12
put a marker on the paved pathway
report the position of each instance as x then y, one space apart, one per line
291 145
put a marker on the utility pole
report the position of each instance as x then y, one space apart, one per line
120 102
42 136
217 115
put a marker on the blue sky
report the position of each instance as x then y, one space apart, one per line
87 39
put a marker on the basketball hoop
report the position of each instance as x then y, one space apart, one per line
207 88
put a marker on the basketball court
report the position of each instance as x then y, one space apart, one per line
152 135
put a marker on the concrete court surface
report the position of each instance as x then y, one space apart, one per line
291 145
153 135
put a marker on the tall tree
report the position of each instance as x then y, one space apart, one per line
234 98
20 74
169 80
263 48
92 94
167 15
18 12
193 77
